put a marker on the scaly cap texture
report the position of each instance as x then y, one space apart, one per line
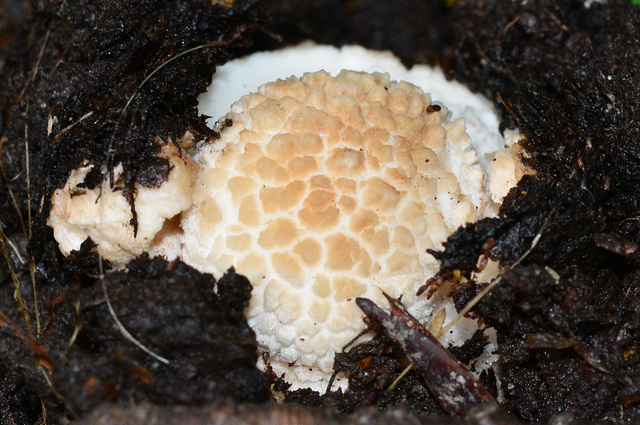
324 189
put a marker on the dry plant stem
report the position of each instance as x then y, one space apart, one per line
70 126
32 266
15 204
16 295
38 351
15 250
40 53
451 383
78 325
43 421
399 378
36 296
492 285
28 230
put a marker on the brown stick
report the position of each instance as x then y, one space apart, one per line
452 384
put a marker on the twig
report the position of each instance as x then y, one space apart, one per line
43 421
15 204
34 289
28 177
32 266
78 325
399 378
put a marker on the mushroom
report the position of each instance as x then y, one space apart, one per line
104 214
322 190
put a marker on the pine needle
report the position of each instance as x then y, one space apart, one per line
127 335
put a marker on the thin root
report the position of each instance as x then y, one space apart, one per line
78 326
492 285
127 335
40 53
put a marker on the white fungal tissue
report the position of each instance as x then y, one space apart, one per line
324 188
104 214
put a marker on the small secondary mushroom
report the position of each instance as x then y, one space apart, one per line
104 214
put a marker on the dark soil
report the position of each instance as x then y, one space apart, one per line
568 315
110 82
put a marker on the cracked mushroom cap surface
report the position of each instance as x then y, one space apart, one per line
324 189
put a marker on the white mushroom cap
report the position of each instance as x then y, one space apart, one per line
325 189
78 213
